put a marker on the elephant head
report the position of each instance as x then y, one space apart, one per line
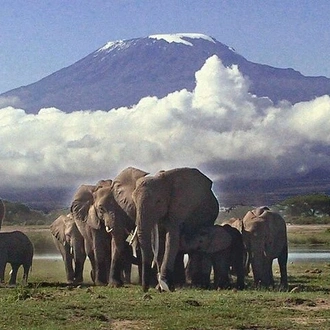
113 204
64 229
181 200
2 212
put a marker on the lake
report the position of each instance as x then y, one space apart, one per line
295 255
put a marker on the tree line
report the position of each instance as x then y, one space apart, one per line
299 209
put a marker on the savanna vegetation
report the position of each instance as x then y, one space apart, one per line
48 303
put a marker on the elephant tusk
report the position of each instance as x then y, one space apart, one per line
108 229
155 244
163 285
133 241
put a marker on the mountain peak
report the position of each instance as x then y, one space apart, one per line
111 45
122 72
180 37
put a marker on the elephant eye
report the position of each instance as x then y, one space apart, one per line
102 209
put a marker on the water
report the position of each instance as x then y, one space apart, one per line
295 254
309 255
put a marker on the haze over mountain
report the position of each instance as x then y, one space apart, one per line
257 149
122 72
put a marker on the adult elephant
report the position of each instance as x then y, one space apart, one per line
70 243
2 212
217 247
180 200
16 249
97 240
113 207
265 237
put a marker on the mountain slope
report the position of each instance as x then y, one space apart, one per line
122 72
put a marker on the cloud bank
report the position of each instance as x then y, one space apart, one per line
219 127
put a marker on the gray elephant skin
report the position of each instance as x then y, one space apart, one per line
94 209
97 241
180 201
114 209
217 247
16 249
70 243
265 237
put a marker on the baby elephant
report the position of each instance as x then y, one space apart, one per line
217 247
16 249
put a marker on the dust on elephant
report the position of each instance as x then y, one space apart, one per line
181 201
220 247
97 240
265 237
114 208
2 212
16 249
70 243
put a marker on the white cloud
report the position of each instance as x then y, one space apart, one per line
219 128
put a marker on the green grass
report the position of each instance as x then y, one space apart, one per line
309 235
48 303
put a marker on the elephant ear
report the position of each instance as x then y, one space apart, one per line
57 229
220 239
69 225
82 201
123 186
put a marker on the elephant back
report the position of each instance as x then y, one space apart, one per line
192 197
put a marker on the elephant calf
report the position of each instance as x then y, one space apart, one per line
70 243
16 249
220 247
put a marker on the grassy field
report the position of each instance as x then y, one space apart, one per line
48 303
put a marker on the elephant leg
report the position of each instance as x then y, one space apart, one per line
117 263
171 251
13 273
282 262
199 269
79 256
102 250
179 271
258 269
268 280
26 269
238 265
221 265
91 258
67 258
79 271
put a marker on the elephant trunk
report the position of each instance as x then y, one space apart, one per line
144 235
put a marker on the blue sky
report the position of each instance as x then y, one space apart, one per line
39 37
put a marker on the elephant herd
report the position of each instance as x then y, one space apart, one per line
153 221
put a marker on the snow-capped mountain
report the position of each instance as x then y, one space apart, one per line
122 72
